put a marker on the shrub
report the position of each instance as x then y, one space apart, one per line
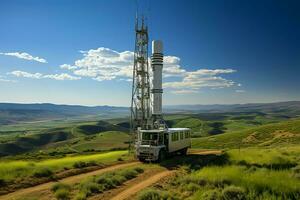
139 170
81 164
42 172
150 194
58 186
296 171
129 174
120 159
212 195
90 187
191 187
80 196
62 194
233 193
2 182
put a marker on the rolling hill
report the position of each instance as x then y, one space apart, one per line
269 135
11 113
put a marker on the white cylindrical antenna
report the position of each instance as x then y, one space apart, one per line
157 66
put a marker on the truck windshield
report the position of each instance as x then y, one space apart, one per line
154 138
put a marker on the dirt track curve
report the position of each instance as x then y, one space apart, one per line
138 187
69 180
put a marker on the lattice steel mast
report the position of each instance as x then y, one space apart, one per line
140 101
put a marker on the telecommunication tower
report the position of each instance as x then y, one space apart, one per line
140 100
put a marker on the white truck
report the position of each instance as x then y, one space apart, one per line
155 145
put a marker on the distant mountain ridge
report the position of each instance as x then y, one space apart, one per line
15 112
292 106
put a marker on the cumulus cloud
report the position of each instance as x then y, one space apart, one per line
26 56
59 77
26 74
202 78
68 67
106 64
240 91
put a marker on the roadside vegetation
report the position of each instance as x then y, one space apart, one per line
26 173
95 185
248 174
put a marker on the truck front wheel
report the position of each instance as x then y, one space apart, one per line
161 155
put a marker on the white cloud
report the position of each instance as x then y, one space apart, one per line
172 67
202 78
240 91
106 64
26 74
62 77
184 91
68 67
25 56
59 77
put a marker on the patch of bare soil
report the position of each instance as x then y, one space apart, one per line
250 138
204 152
282 134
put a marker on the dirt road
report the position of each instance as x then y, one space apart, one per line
43 190
69 180
138 187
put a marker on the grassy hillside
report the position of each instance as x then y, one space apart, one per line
245 174
282 133
205 124
71 137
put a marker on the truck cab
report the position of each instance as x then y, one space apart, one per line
151 145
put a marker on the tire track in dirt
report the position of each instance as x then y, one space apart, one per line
138 187
69 180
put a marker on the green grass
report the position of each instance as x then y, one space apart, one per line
104 182
247 174
281 183
276 134
104 141
285 157
10 170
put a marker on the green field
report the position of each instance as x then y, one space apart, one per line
260 150
245 174
275 134
10 170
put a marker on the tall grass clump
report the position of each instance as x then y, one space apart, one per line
105 182
61 191
280 183
153 194
42 172
233 193
269 158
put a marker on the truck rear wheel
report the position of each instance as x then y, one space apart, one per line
183 151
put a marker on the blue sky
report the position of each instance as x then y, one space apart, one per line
80 52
